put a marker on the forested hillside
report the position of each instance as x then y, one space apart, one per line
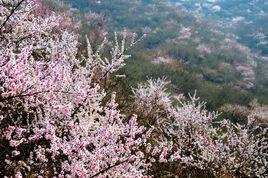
245 18
194 50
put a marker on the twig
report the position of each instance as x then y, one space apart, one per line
11 13
108 168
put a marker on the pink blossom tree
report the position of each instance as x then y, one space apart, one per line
54 120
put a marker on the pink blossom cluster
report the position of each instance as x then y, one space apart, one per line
54 119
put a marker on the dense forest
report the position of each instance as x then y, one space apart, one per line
140 88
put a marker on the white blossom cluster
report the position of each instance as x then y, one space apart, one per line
219 147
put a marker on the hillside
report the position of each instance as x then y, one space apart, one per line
199 45
245 18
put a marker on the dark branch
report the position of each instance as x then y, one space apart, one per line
108 168
11 13
98 81
34 94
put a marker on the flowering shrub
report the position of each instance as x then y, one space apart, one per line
198 140
239 150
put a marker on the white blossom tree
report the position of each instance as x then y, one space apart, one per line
199 141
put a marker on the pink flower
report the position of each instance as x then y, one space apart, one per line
155 151
15 153
132 158
20 131
5 95
79 100
9 132
18 175
15 143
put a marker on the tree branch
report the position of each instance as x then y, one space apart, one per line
108 168
11 13
35 93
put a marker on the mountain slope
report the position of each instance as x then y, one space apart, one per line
201 44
